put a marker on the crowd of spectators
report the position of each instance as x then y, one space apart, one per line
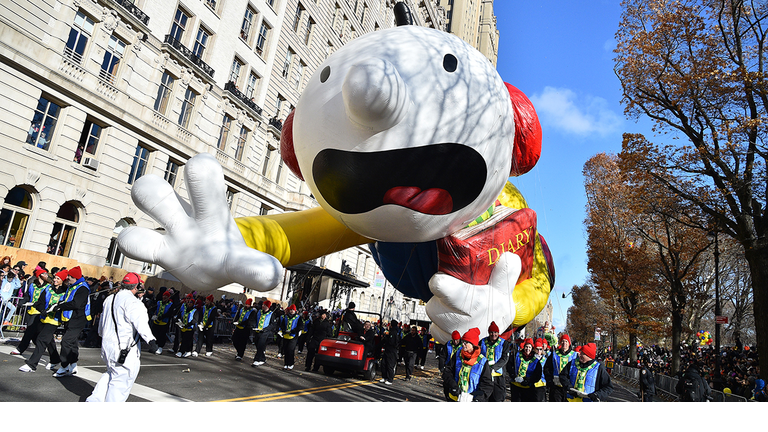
739 367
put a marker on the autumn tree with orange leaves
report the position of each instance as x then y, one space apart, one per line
697 69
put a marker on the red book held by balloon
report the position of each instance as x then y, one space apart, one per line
471 253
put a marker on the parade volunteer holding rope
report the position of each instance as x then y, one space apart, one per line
123 320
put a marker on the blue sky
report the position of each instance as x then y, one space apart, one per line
560 54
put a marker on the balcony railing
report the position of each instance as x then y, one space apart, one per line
232 88
135 11
275 123
189 55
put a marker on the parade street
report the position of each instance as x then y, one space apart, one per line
166 378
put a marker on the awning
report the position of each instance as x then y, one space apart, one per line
312 270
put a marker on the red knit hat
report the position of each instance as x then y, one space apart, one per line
565 337
166 294
249 302
589 350
291 308
455 335
198 303
577 349
62 274
267 303
528 341
39 271
75 272
539 343
472 336
189 297
210 298
493 327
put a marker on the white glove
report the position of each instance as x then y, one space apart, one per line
280 333
179 323
457 305
50 309
202 245
200 326
579 393
236 323
154 317
28 304
465 397
519 380
491 363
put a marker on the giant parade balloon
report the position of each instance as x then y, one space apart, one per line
406 138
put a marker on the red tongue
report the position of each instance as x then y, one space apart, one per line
431 201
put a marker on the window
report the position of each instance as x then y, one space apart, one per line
211 4
265 166
64 228
139 165
79 34
179 24
114 256
14 218
245 27
89 140
337 19
287 64
298 75
262 40
201 42
230 198
263 210
112 56
253 82
186 108
297 18
328 49
279 170
164 93
363 15
308 31
224 133
241 140
234 72
43 123
171 172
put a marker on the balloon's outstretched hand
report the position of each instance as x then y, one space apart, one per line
202 245
457 305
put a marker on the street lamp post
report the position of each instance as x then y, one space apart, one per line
718 378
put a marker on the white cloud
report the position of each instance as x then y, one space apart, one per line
563 109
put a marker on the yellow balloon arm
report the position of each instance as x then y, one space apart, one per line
531 295
296 237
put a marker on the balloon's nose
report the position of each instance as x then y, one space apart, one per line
375 95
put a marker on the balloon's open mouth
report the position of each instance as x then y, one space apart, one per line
436 179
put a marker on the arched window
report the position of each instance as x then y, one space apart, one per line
64 228
114 256
14 217
372 304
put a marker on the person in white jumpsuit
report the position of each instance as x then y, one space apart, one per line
127 311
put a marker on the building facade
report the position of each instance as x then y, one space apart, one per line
96 93
474 22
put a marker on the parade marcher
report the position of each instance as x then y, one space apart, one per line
647 382
263 329
554 366
586 380
692 387
321 329
527 385
75 313
306 319
291 326
413 343
390 343
454 345
205 328
31 294
349 321
421 358
243 321
9 285
467 377
124 321
369 337
49 322
163 314
186 321
495 350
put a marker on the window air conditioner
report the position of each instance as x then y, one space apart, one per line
91 163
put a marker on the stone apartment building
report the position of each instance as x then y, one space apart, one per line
96 93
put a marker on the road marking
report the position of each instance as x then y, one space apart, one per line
147 366
138 390
294 393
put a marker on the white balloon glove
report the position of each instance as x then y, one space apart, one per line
202 245
457 305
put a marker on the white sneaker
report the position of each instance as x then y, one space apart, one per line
63 371
25 368
279 356
73 369
208 354
52 366
194 354
15 352
382 380
285 367
422 367
159 351
178 354
254 364
290 367
187 354
238 358
388 382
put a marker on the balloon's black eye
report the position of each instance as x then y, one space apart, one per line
450 62
325 74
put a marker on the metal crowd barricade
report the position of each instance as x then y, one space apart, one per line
18 320
223 327
667 384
